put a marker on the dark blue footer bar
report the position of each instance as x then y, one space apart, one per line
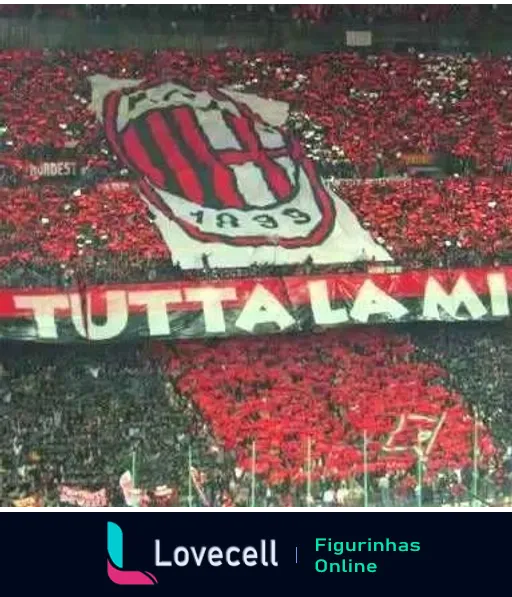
424 553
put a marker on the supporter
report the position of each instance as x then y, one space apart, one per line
101 407
354 115
185 420
311 13
92 420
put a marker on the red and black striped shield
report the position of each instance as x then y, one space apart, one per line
217 168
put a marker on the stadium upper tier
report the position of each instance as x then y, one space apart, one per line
232 159
302 13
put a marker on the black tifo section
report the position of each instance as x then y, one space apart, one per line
128 405
478 360
458 550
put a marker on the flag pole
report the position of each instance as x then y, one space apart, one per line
190 476
134 467
420 474
365 470
134 502
475 460
253 480
309 472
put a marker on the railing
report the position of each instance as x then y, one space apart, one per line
443 492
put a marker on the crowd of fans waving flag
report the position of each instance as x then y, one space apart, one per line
137 167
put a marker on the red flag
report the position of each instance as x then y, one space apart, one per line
31 501
83 497
415 432
165 496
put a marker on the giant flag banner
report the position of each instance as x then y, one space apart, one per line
254 305
224 179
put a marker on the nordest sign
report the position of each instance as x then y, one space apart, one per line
254 305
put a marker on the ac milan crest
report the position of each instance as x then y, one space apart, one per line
219 165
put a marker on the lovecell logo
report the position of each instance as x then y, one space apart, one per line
115 561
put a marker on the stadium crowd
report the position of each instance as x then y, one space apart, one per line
357 116
309 13
77 416
200 417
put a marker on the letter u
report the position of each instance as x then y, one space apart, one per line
116 316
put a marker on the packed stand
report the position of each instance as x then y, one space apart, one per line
76 418
310 13
83 424
357 116
81 418
364 109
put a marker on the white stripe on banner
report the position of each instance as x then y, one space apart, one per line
216 130
289 167
270 138
252 185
